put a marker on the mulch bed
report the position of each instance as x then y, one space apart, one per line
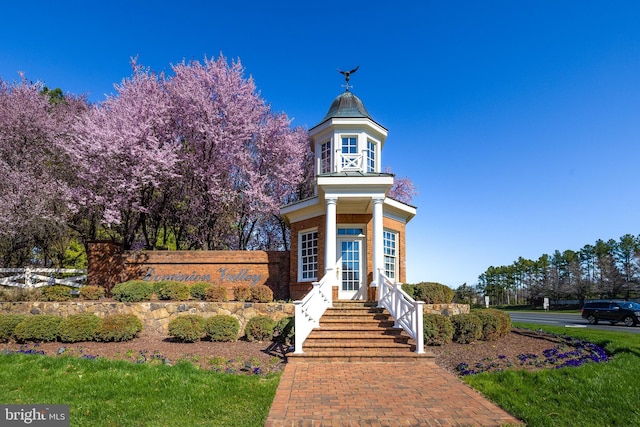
266 357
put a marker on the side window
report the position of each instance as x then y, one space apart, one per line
308 256
390 242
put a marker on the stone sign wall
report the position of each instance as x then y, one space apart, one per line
109 265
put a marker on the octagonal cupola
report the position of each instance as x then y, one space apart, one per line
347 139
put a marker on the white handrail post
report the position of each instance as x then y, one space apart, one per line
298 325
398 301
382 288
419 327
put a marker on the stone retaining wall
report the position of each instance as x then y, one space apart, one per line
154 315
447 309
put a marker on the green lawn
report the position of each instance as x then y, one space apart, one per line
117 393
596 394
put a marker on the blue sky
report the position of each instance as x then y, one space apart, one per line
519 121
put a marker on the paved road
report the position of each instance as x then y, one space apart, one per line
569 320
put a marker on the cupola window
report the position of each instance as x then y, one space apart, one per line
325 158
350 158
371 156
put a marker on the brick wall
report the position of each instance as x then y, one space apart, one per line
299 289
109 264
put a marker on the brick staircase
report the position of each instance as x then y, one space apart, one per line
358 331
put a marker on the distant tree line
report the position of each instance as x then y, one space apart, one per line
607 269
192 160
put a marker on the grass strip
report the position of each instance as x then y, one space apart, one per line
102 392
596 394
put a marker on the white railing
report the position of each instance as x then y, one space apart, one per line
310 309
407 312
351 162
37 277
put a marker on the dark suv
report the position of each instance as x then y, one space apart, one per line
612 311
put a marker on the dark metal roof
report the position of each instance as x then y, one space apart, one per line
346 105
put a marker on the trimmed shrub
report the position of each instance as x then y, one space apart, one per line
242 293
216 293
438 329
20 294
91 293
198 290
259 328
170 290
132 291
504 321
187 328
40 327
56 293
430 292
8 323
467 328
222 328
118 327
79 327
284 331
261 293
490 325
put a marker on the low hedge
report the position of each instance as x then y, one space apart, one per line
222 328
132 291
39 327
261 293
198 290
187 328
8 323
429 292
467 328
56 293
91 293
438 329
118 327
216 293
171 290
79 327
495 323
259 328
242 293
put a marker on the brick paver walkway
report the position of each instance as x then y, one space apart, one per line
417 393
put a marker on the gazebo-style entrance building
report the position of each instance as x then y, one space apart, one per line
350 227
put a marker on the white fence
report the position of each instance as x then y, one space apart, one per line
37 277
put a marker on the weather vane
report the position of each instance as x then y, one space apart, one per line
347 76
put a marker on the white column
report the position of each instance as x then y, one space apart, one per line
330 239
378 242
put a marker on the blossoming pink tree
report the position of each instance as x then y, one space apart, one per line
127 152
35 128
239 159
